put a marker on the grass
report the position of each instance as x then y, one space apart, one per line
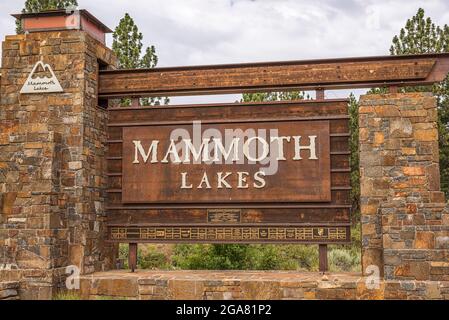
66 295
109 298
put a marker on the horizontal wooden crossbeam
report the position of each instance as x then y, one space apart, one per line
291 75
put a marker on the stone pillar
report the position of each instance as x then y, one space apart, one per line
405 218
52 162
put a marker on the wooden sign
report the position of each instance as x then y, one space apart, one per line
230 173
252 161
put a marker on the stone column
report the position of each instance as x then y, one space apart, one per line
52 162
405 219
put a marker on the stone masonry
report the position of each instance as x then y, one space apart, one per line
52 163
9 290
53 182
405 218
225 285
405 225
253 285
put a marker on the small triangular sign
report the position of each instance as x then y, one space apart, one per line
44 84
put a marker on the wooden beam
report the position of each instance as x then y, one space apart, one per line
293 75
132 256
135 102
393 89
323 258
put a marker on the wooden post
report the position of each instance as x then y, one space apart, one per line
393 89
132 256
320 94
135 102
323 258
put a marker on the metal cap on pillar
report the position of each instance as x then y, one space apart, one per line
55 20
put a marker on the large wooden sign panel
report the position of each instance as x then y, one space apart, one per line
245 173
227 168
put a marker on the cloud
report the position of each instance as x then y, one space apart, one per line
192 32
223 31
189 32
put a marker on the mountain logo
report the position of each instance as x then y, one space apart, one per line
42 79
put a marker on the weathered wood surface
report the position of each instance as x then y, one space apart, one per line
304 180
231 234
199 216
303 75
272 214
323 263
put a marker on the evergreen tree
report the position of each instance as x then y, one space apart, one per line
42 5
127 45
421 35
354 159
148 61
273 96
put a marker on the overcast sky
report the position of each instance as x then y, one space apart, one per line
192 32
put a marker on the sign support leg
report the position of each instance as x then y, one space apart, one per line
132 256
393 89
323 258
135 102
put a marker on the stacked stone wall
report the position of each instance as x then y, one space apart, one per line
405 217
53 186
253 285
52 164
9 290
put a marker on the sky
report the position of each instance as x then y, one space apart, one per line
196 32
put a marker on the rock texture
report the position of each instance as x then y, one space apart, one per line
9 290
53 181
52 161
254 285
404 214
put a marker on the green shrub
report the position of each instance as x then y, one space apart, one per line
245 257
267 257
231 257
123 251
305 255
152 259
248 257
356 236
149 258
213 257
191 257
286 257
110 298
344 260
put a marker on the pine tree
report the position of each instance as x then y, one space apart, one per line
42 5
148 61
273 96
421 35
354 159
127 45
